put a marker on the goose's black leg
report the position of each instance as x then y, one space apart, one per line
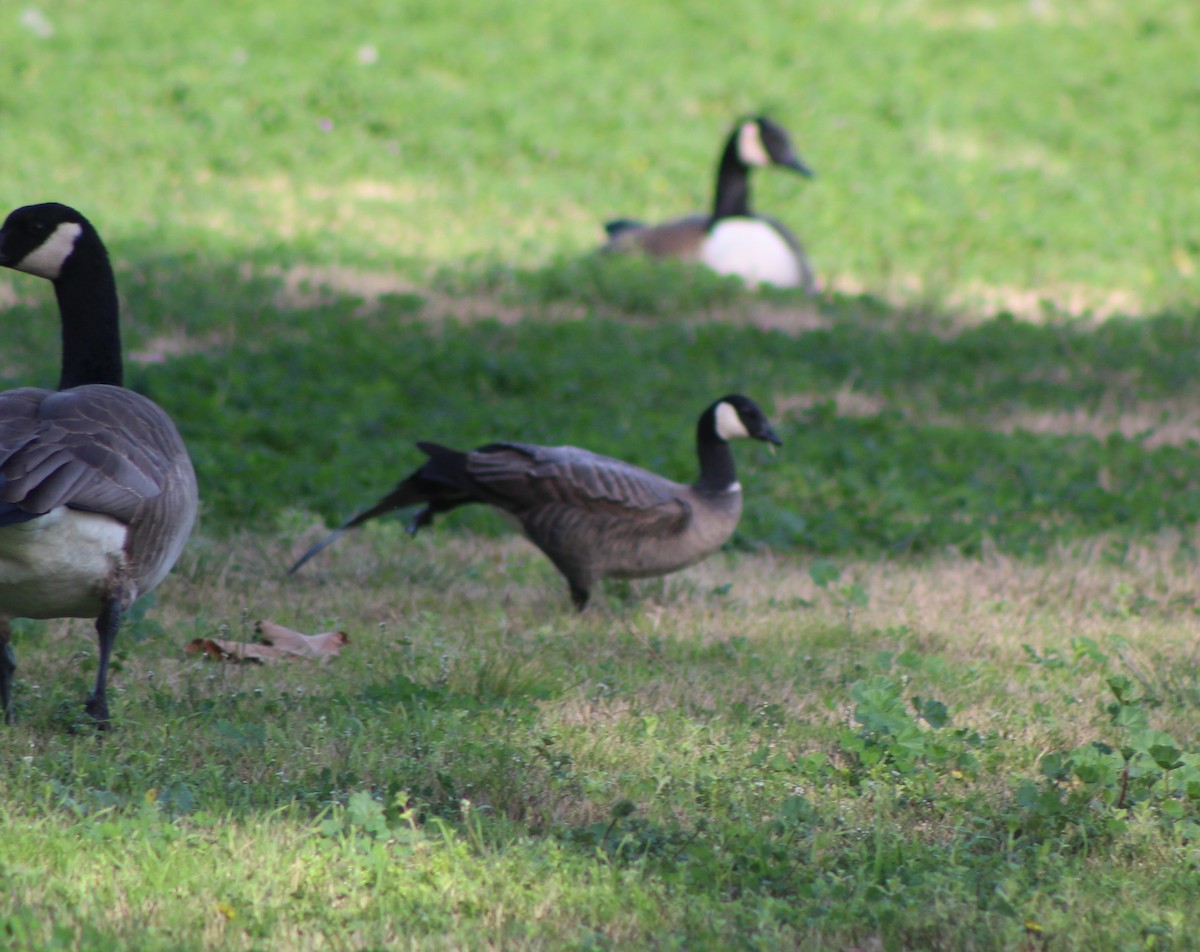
107 626
8 664
579 596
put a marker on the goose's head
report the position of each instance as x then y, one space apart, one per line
38 239
736 417
762 142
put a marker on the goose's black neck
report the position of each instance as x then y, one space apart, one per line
733 183
716 459
87 305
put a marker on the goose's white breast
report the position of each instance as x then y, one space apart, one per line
56 566
753 250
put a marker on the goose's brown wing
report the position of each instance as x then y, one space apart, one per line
98 448
523 478
681 238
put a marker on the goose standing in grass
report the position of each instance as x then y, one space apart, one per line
733 240
593 516
97 492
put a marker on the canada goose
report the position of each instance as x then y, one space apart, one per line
97 493
732 240
593 516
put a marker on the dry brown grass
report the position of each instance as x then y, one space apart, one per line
500 597
467 604
994 595
1167 422
1171 422
307 286
304 287
966 304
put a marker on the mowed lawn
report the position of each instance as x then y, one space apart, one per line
939 691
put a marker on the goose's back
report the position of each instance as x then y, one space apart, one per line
528 476
100 449
681 238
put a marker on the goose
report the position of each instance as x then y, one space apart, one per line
733 240
593 516
97 492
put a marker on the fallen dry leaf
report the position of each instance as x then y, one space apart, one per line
324 646
276 642
219 649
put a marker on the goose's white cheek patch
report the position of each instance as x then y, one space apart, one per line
46 260
750 145
729 423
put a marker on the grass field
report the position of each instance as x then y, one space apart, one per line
940 691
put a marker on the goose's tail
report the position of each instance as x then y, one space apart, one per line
435 484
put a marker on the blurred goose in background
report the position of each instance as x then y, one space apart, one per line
732 240
97 492
593 516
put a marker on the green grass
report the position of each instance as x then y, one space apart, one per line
744 755
939 692
958 147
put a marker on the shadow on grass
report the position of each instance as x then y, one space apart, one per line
901 435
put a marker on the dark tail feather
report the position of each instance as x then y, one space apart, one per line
332 537
432 484
620 225
408 493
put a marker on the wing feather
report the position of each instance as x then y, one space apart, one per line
680 238
96 448
568 483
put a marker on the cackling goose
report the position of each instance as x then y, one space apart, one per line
593 516
732 240
97 493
